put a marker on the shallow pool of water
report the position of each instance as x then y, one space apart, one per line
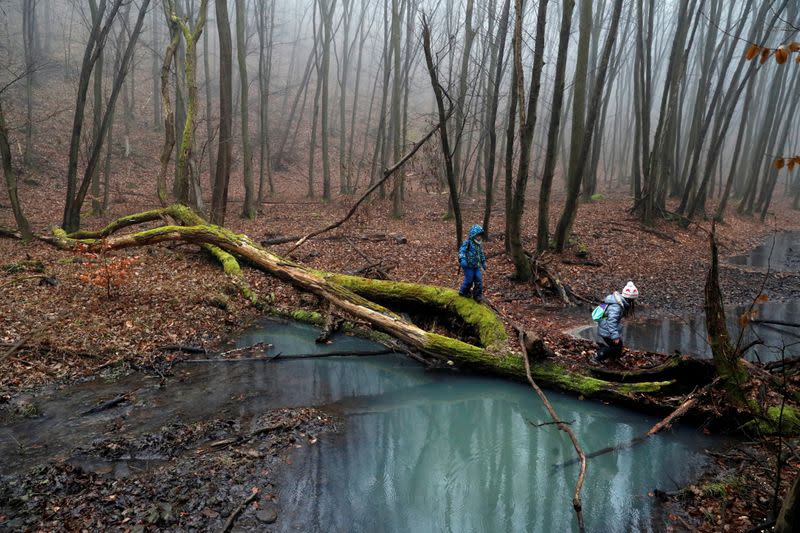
687 334
780 252
418 451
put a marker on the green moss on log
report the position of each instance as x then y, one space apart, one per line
511 365
488 327
773 423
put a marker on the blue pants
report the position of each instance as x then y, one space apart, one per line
473 280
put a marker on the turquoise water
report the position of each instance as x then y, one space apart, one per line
422 451
416 450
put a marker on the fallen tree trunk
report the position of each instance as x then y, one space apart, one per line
364 299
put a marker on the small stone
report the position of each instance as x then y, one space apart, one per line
268 513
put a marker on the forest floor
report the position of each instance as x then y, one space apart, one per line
175 295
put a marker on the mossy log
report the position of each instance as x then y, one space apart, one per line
364 299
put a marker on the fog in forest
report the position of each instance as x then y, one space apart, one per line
685 107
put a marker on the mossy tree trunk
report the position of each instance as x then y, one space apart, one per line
727 358
359 297
187 185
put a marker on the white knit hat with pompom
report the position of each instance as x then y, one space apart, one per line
630 291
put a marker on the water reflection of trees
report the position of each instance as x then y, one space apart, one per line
461 456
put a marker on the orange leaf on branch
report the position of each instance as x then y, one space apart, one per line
752 51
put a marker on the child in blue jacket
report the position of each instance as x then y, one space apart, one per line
472 260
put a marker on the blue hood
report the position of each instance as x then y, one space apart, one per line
475 230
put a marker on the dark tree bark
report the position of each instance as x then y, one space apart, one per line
219 202
11 180
543 231
249 207
571 205
490 147
97 38
527 123
29 39
448 160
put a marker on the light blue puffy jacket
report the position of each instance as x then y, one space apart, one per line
611 324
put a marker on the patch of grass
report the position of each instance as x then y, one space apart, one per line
597 197
722 488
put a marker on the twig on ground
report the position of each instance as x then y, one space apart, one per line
21 342
236 512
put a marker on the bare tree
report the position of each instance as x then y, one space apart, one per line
527 123
493 97
542 231
248 208
29 40
219 201
11 180
571 206
97 38
265 37
443 116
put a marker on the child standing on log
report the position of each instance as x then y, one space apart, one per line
609 317
472 260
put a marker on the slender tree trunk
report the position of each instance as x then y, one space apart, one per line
395 122
327 8
264 74
31 58
570 207
443 116
154 44
97 115
460 116
11 180
490 147
249 208
219 200
207 87
543 232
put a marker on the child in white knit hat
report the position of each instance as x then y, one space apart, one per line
615 307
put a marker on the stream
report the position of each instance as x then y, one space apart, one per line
417 450
686 334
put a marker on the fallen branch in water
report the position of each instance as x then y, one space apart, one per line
689 401
576 499
110 403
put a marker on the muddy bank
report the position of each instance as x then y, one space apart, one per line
180 477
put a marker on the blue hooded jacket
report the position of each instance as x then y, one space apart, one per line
470 255
611 324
